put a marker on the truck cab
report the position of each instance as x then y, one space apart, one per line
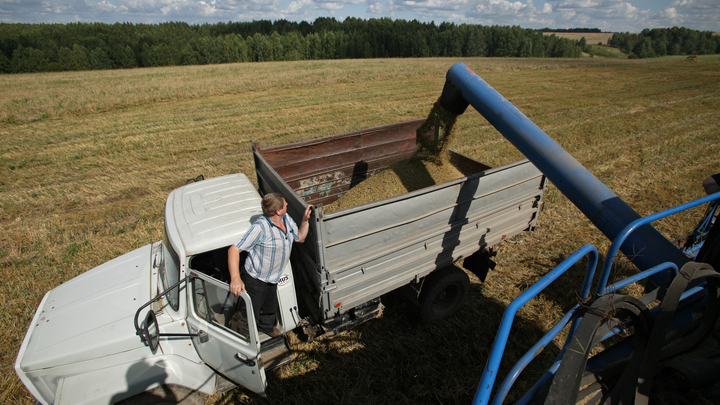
81 347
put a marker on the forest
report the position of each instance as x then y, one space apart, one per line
85 46
28 48
656 42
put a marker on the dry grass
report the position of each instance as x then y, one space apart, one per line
89 158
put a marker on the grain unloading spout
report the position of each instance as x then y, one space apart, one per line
645 247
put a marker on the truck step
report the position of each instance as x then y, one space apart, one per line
276 352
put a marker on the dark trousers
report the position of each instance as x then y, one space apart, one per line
264 301
710 251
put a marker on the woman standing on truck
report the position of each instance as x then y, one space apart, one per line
268 242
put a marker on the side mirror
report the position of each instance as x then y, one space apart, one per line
150 331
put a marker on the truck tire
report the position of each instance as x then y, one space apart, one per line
166 395
443 293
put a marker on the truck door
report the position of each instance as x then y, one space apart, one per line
229 344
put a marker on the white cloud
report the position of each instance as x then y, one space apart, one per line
504 12
296 6
698 14
669 13
608 15
437 9
377 8
329 5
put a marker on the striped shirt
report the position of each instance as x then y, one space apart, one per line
268 248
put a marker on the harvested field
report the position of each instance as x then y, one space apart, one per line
87 160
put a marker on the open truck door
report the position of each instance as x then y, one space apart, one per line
226 336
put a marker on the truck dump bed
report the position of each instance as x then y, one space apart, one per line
358 254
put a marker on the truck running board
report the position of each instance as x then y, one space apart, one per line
276 352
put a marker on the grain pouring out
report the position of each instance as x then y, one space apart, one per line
429 166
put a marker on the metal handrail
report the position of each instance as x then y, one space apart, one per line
482 395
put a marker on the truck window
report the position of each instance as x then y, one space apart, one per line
170 273
213 263
219 306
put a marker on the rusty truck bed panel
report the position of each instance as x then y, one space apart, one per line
321 170
360 253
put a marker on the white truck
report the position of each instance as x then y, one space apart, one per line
160 322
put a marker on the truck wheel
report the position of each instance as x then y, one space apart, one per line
166 395
443 293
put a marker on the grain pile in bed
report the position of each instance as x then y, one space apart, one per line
428 167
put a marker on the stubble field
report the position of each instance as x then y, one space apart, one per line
87 160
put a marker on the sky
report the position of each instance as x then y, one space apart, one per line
607 15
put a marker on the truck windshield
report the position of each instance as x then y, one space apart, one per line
170 272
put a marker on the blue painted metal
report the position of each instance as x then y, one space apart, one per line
572 315
646 247
635 225
493 363
482 395
662 267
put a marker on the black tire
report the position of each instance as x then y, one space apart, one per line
443 293
166 395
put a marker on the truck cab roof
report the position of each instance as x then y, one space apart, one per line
213 213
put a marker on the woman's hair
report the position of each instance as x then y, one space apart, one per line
272 202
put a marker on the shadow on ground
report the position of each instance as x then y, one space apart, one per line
397 360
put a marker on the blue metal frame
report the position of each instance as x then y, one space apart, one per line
493 363
482 395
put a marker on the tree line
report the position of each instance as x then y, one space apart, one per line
86 46
656 42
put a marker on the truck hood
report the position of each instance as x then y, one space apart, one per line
90 316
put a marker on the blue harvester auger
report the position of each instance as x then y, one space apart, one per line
645 248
